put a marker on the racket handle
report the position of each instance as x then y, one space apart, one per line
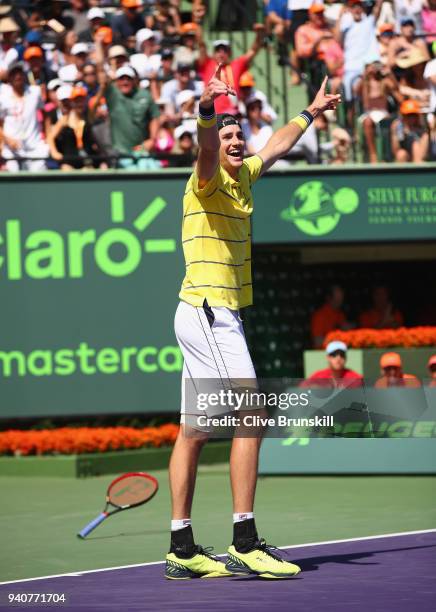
92 525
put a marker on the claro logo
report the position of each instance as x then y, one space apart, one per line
117 251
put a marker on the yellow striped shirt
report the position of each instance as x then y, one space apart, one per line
216 238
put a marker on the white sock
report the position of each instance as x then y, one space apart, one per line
180 524
238 517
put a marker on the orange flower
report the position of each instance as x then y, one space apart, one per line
69 440
382 338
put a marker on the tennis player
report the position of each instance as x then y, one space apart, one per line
216 241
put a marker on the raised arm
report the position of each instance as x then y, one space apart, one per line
284 139
208 139
258 42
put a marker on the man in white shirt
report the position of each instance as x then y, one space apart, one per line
182 81
358 35
146 62
19 127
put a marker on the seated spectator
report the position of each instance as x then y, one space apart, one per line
386 34
126 24
409 135
247 90
187 51
8 53
164 141
90 80
357 32
314 41
146 61
37 73
431 365
117 56
61 56
101 130
406 44
328 317
131 109
411 79
183 80
165 19
376 89
187 107
165 72
72 137
341 146
256 131
96 18
70 73
185 146
20 130
336 373
392 373
278 22
232 68
382 314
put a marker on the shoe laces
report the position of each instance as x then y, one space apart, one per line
269 549
207 552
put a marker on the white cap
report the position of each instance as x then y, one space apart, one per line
51 85
79 47
64 92
125 71
182 129
117 51
142 35
221 42
183 96
336 345
95 13
68 73
253 97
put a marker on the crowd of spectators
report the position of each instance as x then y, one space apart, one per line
116 84
381 56
392 374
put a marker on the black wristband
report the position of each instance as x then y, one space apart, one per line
206 112
307 116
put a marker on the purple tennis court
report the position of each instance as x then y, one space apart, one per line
395 572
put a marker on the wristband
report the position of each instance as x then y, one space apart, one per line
206 123
206 112
303 120
206 116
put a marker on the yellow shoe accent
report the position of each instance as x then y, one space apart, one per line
201 565
262 561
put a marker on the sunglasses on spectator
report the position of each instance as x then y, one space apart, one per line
337 354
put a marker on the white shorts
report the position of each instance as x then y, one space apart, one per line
214 347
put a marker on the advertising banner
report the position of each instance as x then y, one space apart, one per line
91 265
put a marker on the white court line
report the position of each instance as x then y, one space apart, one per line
110 569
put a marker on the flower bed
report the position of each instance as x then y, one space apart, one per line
72 441
407 337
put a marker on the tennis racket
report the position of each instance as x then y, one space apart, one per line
127 491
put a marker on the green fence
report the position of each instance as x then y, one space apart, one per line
91 264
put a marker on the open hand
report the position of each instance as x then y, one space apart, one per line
324 101
216 87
